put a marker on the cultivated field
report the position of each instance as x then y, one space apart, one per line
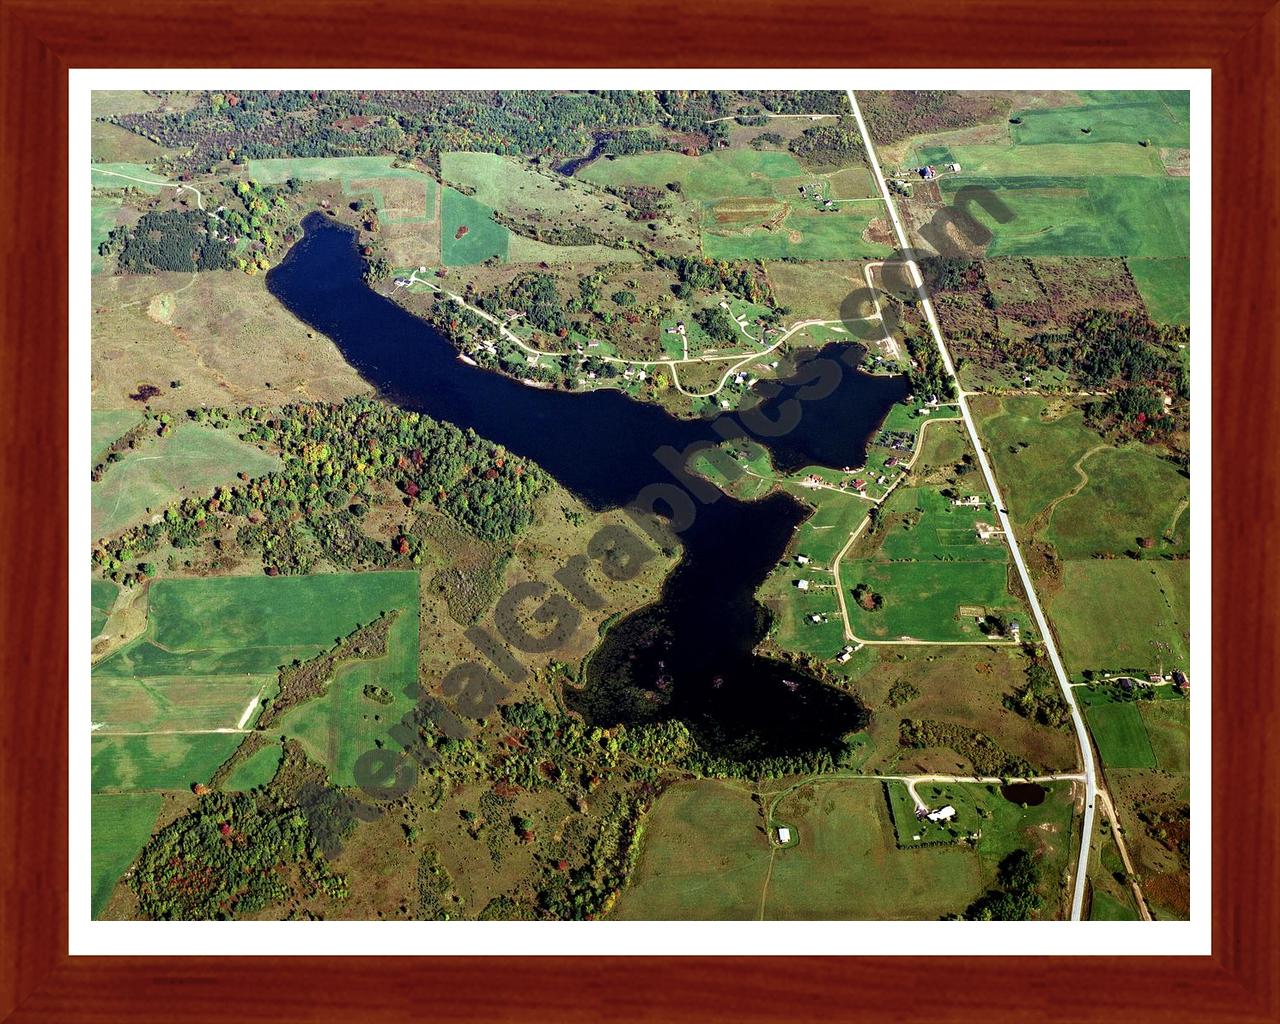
211 652
1166 288
1119 734
121 825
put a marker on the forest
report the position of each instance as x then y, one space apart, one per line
168 240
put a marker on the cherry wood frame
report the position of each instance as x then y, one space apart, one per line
41 39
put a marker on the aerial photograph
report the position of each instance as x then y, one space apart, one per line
639 505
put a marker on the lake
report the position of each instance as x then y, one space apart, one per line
690 654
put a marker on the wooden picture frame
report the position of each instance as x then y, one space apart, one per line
42 39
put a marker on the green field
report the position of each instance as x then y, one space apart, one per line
944 532
826 531
922 600
402 195
105 425
1109 612
256 770
1119 734
501 182
104 212
720 174
107 176
1033 456
805 234
706 854
1168 726
484 238
1166 288
1130 494
121 824
213 646
192 457
163 761
1084 216
1122 116
1108 908
103 594
1061 159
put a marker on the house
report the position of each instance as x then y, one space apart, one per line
1015 629
815 617
1179 677
671 330
802 559
802 584
942 814
860 484
953 168
968 501
845 654
784 835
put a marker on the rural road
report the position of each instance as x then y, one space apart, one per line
1042 622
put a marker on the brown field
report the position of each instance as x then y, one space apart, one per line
219 333
750 209
814 290
1165 880
964 685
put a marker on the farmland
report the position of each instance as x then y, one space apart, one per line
103 594
1118 731
1166 287
122 823
707 855
1112 613
210 653
468 232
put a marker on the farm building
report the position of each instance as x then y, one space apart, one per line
802 584
802 559
784 835
942 814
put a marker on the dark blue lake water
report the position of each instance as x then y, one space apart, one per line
689 655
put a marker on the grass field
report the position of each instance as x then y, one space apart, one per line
943 532
1084 216
1060 159
1166 288
1168 724
1120 736
255 770
815 290
1111 117
805 234
1110 613
1130 494
1033 454
717 175
483 239
1108 908
121 824
103 594
213 645
193 457
922 600
530 250
106 175
104 212
105 425
706 854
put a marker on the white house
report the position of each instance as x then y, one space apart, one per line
784 835
942 814
802 584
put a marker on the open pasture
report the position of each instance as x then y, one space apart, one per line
805 233
121 824
720 174
1168 726
193 458
103 594
1116 614
1059 159
923 600
213 646
1084 216
1166 287
468 232
1163 117
1120 736
1129 494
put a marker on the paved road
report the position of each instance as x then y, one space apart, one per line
1042 622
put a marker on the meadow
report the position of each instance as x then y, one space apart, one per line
1120 736
923 600
103 594
1164 118
1168 725
1112 613
1166 287
121 826
1113 215
706 854
192 456
484 238
212 649
1130 494
1060 159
